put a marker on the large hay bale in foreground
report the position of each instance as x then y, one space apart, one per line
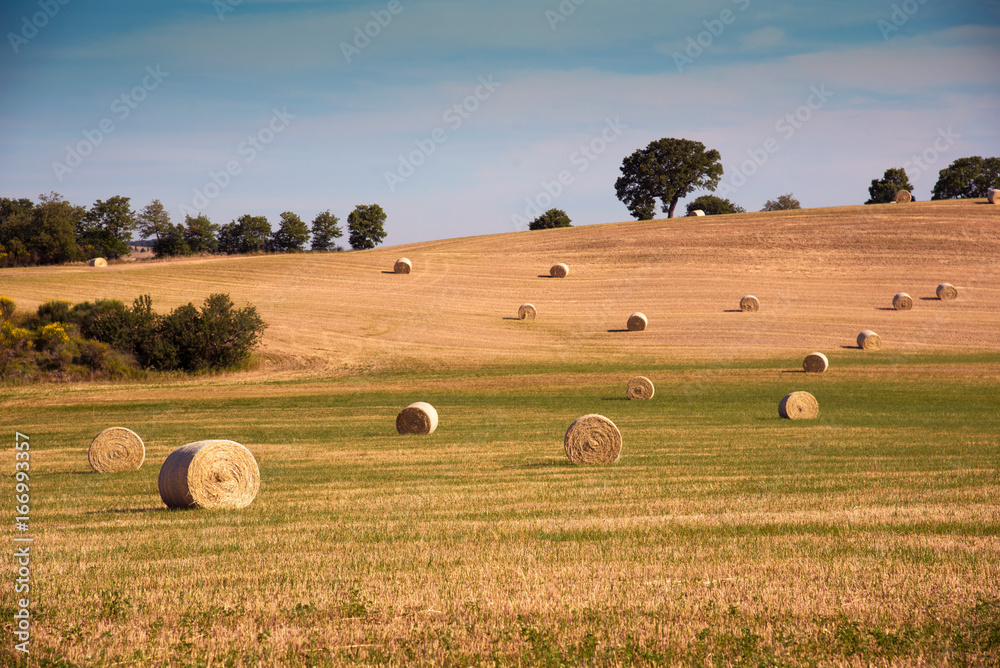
798 406
947 292
902 302
98 262
116 449
402 266
593 439
559 270
637 322
417 418
749 304
903 197
527 312
209 474
640 387
993 195
815 363
869 340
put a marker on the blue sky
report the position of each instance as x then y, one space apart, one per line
460 117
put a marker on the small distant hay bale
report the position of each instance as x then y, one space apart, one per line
696 212
209 474
402 266
815 363
869 340
417 418
902 302
640 387
749 304
903 197
527 312
947 292
116 449
798 406
637 322
98 262
993 195
593 439
559 270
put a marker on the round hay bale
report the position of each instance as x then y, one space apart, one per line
798 406
640 387
527 312
815 363
559 270
749 304
402 266
593 439
947 292
902 302
116 449
993 195
637 322
903 197
98 262
696 212
869 340
417 418
209 474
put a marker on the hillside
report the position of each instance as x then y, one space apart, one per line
822 275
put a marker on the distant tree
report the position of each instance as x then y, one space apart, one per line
365 225
200 234
153 221
107 227
291 234
667 169
967 178
39 234
883 191
714 206
246 234
551 219
324 231
171 241
784 203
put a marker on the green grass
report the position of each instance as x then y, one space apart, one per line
723 536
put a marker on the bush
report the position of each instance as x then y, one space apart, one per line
714 206
782 203
551 219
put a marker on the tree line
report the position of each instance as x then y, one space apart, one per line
54 231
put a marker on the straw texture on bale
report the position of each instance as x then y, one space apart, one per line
98 262
902 302
640 387
527 312
993 195
209 474
903 197
696 212
402 266
637 322
593 439
798 406
116 449
815 363
947 292
869 340
417 418
749 304
559 270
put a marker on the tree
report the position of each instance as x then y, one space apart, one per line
153 220
784 203
365 225
291 235
667 169
246 234
171 241
714 206
107 227
39 234
324 231
200 234
967 178
550 219
883 191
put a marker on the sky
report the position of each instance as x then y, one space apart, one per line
472 117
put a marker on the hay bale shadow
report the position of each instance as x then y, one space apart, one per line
613 331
